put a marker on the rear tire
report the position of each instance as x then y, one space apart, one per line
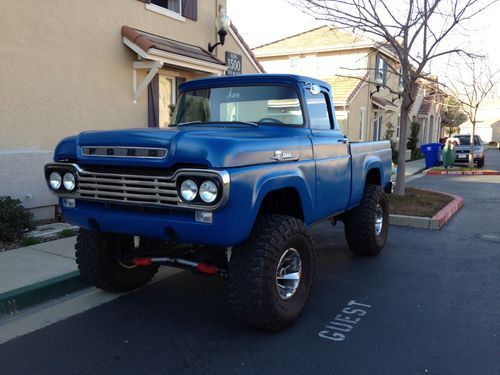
272 273
366 226
100 264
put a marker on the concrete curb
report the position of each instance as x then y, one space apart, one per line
13 301
438 221
443 216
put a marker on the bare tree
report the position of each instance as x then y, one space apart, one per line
453 116
413 29
474 84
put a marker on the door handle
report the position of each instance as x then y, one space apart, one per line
344 139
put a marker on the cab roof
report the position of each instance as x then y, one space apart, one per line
250 79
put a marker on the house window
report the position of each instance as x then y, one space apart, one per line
362 123
294 62
172 5
398 127
380 71
377 128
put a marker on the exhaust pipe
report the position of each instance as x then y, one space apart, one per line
205 268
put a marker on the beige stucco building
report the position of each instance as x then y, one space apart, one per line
427 109
352 65
69 66
488 121
364 79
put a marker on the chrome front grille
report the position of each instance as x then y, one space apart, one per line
127 188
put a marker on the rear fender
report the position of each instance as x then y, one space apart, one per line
359 180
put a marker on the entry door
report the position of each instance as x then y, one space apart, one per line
331 155
166 98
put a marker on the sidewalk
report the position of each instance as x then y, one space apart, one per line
36 273
414 167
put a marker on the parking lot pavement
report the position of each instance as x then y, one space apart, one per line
428 304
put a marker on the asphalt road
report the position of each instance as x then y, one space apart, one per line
431 303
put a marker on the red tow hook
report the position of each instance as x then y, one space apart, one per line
209 269
143 261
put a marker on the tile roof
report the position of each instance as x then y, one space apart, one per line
344 88
324 36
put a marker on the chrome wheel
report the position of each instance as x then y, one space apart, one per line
288 273
379 219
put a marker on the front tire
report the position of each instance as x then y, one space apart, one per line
367 225
480 163
272 273
99 260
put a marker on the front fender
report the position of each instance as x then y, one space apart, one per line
277 180
250 185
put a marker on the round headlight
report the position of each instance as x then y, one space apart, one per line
55 180
208 191
69 181
189 189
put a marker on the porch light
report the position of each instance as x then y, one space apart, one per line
222 23
378 82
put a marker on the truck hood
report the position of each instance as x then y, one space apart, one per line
214 146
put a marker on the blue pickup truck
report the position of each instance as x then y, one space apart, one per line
231 188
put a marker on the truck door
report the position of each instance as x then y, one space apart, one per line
331 155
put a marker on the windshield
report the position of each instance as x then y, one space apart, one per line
465 140
256 104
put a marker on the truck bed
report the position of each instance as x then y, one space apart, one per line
364 156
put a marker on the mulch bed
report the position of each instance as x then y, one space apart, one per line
418 202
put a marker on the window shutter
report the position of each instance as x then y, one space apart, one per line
377 67
190 9
178 81
385 72
153 103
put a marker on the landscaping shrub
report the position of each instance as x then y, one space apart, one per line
14 219
412 143
389 133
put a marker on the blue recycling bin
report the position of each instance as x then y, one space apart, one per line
432 152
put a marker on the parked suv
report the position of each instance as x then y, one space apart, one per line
463 150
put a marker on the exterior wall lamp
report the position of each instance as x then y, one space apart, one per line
222 23
401 90
378 83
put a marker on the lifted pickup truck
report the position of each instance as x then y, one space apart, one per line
232 187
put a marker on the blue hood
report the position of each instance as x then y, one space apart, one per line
214 146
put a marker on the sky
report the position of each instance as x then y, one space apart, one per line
264 21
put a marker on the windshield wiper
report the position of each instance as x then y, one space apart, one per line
241 122
187 123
